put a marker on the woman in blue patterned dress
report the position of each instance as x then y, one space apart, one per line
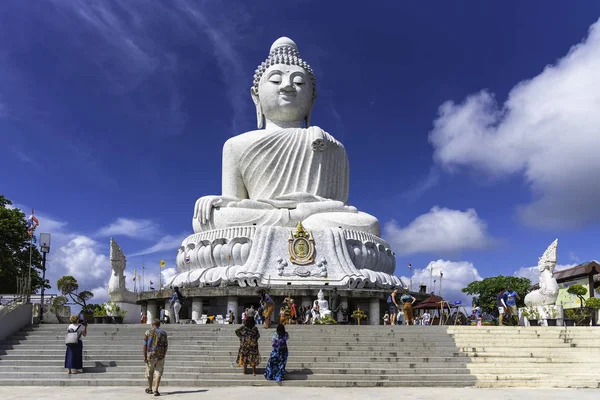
275 369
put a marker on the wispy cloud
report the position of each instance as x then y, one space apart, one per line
427 183
22 156
135 228
166 243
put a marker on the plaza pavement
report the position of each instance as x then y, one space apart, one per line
294 393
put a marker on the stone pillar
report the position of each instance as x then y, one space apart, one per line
374 317
169 311
151 311
197 308
343 304
232 304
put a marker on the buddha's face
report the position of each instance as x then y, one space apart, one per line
285 93
320 295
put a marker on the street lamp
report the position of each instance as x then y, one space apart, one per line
45 248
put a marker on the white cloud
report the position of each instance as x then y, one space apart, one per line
533 273
457 275
168 274
546 131
135 228
441 230
81 259
167 243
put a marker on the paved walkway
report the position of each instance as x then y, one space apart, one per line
295 393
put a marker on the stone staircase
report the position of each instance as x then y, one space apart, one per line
332 356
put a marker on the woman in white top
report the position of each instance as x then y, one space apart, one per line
74 356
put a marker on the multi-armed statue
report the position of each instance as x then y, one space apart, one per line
285 175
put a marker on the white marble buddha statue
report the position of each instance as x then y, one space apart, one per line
286 171
324 310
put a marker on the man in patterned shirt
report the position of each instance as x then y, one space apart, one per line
155 350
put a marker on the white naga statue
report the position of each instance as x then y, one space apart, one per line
285 174
117 291
548 291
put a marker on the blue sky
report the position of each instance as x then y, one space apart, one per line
471 127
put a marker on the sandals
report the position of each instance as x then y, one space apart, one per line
149 391
156 393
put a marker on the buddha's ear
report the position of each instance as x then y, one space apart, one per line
259 115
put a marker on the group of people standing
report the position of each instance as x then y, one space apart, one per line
248 333
404 302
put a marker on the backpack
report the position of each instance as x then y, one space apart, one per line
72 337
389 300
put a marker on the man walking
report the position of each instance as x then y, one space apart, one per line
155 351
510 299
501 305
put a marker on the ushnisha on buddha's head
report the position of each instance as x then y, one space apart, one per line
284 88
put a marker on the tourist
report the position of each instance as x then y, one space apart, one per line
244 315
316 315
393 305
501 305
477 314
176 301
275 369
407 301
293 312
386 318
74 355
230 318
510 299
251 312
155 351
282 315
426 317
248 353
400 317
268 306
143 318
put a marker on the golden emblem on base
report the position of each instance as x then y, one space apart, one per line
301 246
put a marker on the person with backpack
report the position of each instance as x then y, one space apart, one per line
176 301
74 355
393 305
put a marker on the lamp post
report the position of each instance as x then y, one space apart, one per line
45 248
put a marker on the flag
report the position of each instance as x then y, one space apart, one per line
32 223
134 274
409 265
152 283
441 274
134 277
162 263
143 267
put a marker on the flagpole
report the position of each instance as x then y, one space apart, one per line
29 280
143 277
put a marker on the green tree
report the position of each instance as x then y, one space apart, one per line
69 286
14 250
579 291
484 292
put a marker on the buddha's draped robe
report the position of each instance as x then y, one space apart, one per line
295 165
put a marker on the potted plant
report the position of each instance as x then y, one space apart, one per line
551 314
107 317
88 313
58 303
359 314
345 314
120 315
99 315
328 320
532 314
593 304
579 291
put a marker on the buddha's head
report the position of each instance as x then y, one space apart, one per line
320 295
284 87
